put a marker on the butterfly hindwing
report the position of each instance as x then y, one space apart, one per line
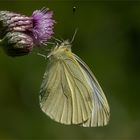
101 112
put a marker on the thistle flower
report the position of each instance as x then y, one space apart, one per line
16 29
39 25
42 25
17 44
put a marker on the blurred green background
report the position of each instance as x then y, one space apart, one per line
108 40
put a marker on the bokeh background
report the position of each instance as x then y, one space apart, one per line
108 40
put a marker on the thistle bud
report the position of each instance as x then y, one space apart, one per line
13 22
17 44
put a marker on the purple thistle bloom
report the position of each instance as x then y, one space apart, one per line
42 25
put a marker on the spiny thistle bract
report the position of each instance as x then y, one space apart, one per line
17 44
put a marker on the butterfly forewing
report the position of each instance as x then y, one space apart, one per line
65 95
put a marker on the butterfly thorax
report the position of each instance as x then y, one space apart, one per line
61 51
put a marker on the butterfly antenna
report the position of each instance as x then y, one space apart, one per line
74 35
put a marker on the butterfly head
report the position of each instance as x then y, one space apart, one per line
65 44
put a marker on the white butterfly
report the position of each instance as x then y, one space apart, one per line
70 93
